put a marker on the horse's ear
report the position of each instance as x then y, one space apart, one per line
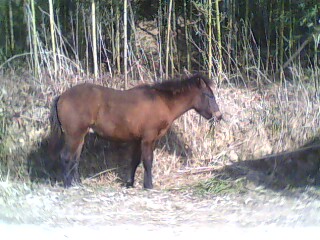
202 83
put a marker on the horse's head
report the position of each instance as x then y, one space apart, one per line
205 102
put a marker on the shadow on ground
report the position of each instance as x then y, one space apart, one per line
298 168
100 156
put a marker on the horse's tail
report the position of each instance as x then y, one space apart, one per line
56 140
55 125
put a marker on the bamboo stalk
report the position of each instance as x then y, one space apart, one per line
6 34
210 38
86 40
94 39
118 37
186 32
246 39
291 29
316 38
34 40
160 39
219 41
281 44
269 36
316 67
230 33
173 46
11 27
78 26
168 38
125 54
134 42
53 41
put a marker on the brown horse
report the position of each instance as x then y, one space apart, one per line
141 114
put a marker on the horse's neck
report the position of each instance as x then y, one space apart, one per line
180 104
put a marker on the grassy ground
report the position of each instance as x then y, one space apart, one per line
258 120
235 173
94 205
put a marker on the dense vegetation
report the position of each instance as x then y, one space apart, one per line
263 55
98 36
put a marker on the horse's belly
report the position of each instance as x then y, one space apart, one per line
114 131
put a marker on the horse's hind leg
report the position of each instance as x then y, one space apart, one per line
135 161
52 163
75 170
70 159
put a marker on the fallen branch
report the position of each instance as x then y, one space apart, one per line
293 56
198 170
103 172
303 45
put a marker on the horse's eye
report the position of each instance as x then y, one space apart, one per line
209 95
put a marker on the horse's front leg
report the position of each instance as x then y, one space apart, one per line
135 161
147 158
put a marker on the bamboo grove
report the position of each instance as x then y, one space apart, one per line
224 38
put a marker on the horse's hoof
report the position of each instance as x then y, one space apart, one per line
129 185
67 184
148 187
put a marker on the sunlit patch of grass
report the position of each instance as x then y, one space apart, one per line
218 186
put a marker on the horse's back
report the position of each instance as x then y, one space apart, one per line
112 113
83 90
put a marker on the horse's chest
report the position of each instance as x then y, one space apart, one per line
159 129
162 128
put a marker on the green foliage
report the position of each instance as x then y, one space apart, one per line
217 186
309 12
262 19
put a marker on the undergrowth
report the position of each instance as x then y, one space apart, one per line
3 129
219 186
262 115
257 122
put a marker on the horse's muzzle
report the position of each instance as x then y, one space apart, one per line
217 115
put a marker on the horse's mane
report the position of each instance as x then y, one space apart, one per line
179 85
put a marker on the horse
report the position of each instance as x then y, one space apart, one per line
142 114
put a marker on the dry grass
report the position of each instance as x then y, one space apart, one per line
261 117
257 122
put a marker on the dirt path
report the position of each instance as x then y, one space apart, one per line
87 211
137 232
